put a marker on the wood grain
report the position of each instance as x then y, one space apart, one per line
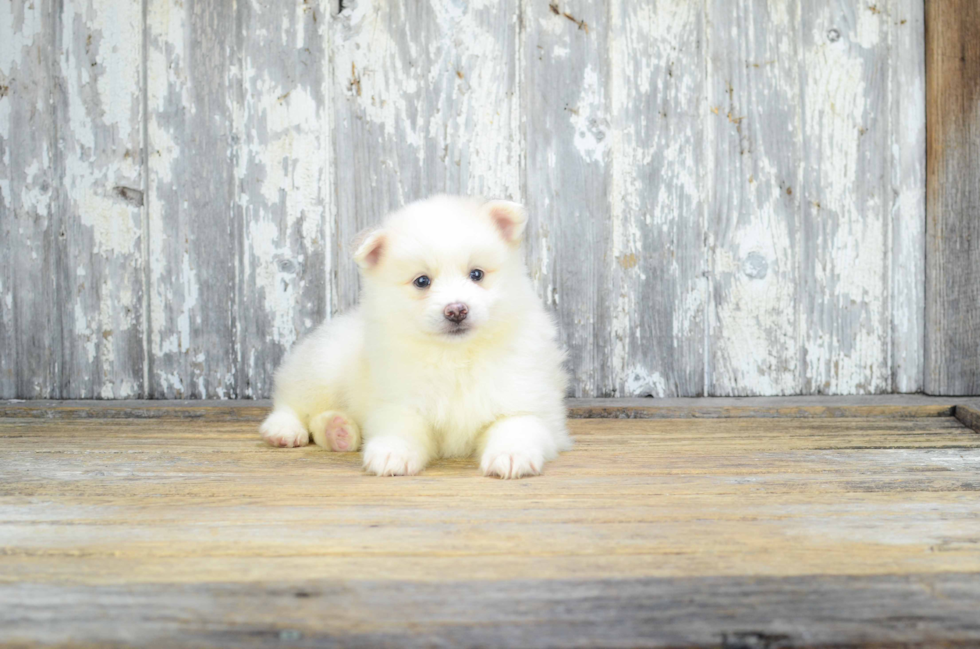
567 177
952 361
191 79
424 101
820 531
846 200
754 243
725 198
31 243
70 214
650 320
730 612
906 87
876 406
283 182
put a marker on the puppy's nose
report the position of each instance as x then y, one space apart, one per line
455 312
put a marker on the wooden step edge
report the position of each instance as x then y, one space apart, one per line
968 415
878 406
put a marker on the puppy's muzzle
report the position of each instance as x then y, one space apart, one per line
455 312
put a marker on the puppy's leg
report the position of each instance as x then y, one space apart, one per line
283 428
335 431
397 442
515 447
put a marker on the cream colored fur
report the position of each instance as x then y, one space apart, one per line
393 371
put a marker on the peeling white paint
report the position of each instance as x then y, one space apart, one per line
446 114
588 118
642 382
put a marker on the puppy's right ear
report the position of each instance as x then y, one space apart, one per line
369 247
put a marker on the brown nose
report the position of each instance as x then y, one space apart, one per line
455 312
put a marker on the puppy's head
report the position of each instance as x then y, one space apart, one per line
445 267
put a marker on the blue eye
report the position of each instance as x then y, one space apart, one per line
422 281
476 274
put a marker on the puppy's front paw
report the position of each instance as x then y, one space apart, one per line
335 431
392 456
284 429
511 465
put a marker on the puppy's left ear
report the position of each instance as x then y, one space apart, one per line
509 218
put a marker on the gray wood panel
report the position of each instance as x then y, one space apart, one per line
844 285
567 179
728 612
725 198
98 112
754 179
952 354
192 70
425 100
907 92
72 199
652 281
31 349
282 172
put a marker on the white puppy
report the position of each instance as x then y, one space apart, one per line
449 353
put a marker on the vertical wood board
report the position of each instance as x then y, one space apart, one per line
652 285
755 138
425 101
844 294
567 113
952 354
192 71
282 176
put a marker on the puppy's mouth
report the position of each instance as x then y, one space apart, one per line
455 330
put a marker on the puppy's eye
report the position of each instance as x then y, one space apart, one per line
476 274
422 281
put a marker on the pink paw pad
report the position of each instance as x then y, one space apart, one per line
340 439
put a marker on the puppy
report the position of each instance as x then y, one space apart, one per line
450 352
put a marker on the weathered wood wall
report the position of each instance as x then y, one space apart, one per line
952 351
727 197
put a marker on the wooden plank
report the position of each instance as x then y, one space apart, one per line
650 304
952 34
425 100
754 181
887 406
969 415
73 140
731 612
678 533
906 97
31 289
283 178
99 112
567 113
846 199
192 72
682 498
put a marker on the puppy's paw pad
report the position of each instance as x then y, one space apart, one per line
284 430
392 456
335 431
510 466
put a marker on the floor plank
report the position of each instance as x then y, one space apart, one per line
655 532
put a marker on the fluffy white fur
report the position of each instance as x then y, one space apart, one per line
415 385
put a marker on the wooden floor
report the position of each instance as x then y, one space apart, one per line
181 528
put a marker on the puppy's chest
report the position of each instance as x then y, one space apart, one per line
459 400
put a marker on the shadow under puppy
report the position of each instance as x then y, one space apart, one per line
449 353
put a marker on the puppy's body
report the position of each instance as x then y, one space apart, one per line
455 367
